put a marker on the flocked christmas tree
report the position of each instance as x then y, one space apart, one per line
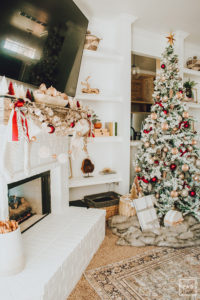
168 163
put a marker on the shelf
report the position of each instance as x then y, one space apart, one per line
136 143
99 98
191 72
97 179
142 102
192 105
105 139
108 55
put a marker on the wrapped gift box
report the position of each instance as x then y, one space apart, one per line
146 212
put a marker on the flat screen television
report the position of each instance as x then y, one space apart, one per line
42 41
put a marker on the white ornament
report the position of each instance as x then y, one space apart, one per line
62 158
21 92
172 218
82 127
38 112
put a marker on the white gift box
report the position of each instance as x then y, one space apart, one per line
146 212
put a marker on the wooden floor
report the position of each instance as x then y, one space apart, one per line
108 253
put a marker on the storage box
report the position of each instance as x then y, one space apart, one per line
108 201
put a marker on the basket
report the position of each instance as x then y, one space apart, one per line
108 201
193 63
91 42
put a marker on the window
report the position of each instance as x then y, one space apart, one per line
19 48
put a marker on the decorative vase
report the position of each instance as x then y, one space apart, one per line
12 260
97 125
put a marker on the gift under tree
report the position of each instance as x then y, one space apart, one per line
168 163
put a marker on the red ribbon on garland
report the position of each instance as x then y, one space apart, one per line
159 103
147 131
19 123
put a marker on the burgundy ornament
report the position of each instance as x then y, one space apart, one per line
163 66
78 104
192 193
51 129
156 162
173 167
181 91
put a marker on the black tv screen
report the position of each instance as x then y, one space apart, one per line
41 41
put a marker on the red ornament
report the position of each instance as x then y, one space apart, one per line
156 162
154 179
192 193
163 66
11 89
181 91
89 116
186 125
78 104
165 112
19 103
72 125
145 180
51 129
28 95
173 167
147 131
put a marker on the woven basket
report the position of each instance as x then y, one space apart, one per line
111 211
193 63
91 42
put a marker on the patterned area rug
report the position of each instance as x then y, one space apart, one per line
162 273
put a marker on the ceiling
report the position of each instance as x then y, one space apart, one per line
159 16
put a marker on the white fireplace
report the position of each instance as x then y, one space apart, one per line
61 245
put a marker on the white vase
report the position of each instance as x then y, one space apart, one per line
12 259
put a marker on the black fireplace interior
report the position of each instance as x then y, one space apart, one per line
30 200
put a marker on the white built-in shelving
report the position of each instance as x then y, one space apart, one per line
106 139
103 54
99 98
95 180
190 72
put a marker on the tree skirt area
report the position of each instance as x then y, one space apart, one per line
163 273
128 229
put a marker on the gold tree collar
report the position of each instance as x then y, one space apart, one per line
171 39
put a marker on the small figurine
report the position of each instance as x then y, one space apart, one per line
88 89
87 167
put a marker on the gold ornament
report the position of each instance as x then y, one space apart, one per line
54 156
165 149
33 139
185 168
137 169
165 99
185 114
177 70
164 126
146 144
157 196
181 176
154 116
171 39
174 151
190 148
179 95
194 142
196 178
198 163
172 106
163 78
174 194
175 129
171 93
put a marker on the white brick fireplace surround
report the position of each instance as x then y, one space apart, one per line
59 247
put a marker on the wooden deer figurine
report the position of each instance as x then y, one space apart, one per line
88 89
